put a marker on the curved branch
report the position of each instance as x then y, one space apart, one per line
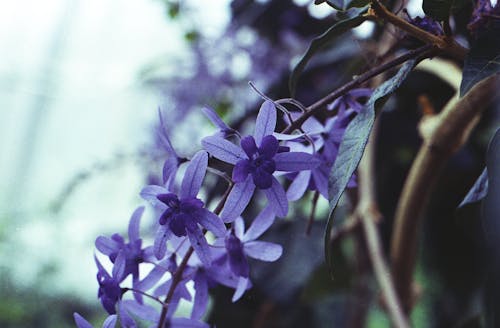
452 129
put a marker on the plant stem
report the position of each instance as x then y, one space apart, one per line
368 214
452 129
176 279
314 108
446 43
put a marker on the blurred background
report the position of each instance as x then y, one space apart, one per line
81 83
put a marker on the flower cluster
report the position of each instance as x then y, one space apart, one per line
204 246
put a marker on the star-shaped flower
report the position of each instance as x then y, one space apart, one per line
256 161
183 214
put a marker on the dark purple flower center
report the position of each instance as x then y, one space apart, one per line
237 259
109 292
134 254
180 214
260 163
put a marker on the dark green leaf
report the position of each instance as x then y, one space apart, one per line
343 5
478 190
354 142
491 224
483 59
491 209
318 43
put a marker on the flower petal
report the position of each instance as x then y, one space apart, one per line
260 224
169 170
150 192
299 186
125 319
193 177
320 177
296 161
238 199
200 245
262 178
81 322
151 279
241 170
110 321
141 311
134 223
266 121
106 245
187 323
239 227
249 146
160 244
211 222
222 149
263 250
240 289
200 297
215 119
119 266
277 198
268 146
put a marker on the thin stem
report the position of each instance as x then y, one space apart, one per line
382 273
446 43
177 277
451 131
144 294
314 108
313 211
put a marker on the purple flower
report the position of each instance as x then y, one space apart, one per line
184 213
427 23
132 251
255 162
224 129
172 162
482 16
110 291
239 245
110 321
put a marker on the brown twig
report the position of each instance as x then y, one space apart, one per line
451 131
177 277
446 43
314 108
369 214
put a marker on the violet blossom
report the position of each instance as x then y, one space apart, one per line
183 214
258 158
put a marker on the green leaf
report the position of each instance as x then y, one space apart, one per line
491 226
319 42
354 142
343 5
478 191
491 205
483 59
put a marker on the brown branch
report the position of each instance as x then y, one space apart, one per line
452 128
177 277
446 43
317 106
368 213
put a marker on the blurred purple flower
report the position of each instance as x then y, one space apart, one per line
110 291
255 162
110 321
132 251
239 245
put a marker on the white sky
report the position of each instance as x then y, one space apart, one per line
69 98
